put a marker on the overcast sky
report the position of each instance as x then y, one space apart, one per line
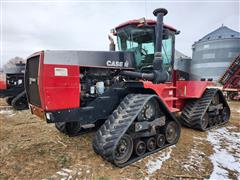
28 27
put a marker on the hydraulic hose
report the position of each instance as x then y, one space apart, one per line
132 74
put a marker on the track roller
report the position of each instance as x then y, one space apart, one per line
160 140
124 149
171 132
151 144
140 148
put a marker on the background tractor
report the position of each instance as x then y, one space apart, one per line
12 86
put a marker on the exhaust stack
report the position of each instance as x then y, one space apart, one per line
160 74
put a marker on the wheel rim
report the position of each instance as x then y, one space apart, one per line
171 132
123 150
149 111
160 140
151 144
140 148
205 121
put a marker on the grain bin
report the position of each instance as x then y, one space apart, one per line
213 53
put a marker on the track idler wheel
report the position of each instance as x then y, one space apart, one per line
69 128
123 150
151 144
172 132
140 148
160 140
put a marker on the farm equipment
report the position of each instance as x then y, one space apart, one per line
12 87
133 93
231 80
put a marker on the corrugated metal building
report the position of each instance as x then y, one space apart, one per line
213 53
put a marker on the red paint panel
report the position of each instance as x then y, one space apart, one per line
191 89
60 89
3 84
148 21
165 92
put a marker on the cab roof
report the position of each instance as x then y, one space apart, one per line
143 21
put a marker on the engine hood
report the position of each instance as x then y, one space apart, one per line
104 59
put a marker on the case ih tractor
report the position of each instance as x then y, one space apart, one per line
12 87
133 93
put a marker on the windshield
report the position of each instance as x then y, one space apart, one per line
142 42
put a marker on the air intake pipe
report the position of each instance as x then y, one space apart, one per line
159 75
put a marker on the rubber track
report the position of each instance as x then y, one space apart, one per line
109 134
195 109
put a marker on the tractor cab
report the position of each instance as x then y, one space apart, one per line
139 37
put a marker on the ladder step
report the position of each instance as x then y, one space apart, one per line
170 87
174 109
170 99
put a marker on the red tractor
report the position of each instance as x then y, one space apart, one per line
132 93
12 86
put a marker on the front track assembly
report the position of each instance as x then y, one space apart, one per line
209 111
140 126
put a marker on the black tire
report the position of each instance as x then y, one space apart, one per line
151 144
123 150
160 140
172 132
20 103
140 148
9 100
69 128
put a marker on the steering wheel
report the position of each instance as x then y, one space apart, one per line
144 52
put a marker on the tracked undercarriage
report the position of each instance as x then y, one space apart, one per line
207 112
137 128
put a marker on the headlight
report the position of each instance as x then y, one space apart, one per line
48 116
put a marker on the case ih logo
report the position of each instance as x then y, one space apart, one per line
117 63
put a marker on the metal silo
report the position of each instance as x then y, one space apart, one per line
213 53
182 64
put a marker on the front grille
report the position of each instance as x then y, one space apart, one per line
31 81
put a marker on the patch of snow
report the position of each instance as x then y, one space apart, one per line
156 164
226 146
67 170
6 112
61 173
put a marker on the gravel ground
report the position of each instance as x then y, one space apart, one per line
33 149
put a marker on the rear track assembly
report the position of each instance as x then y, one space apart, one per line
207 112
